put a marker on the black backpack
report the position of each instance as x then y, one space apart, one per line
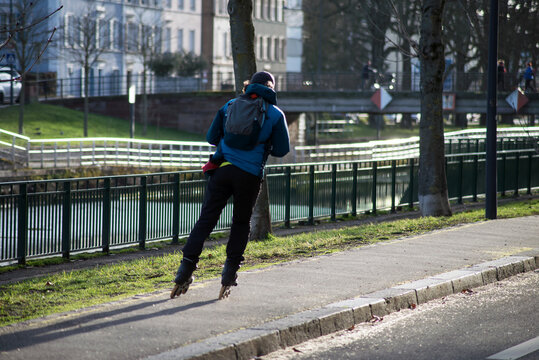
245 117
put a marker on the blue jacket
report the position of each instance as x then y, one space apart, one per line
274 132
528 73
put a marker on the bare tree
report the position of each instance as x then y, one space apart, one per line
88 39
144 41
243 54
29 37
433 197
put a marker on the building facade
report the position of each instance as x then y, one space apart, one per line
270 40
116 38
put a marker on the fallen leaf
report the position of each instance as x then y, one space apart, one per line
49 284
376 319
413 306
351 328
297 350
467 291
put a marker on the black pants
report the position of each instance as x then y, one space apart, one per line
227 181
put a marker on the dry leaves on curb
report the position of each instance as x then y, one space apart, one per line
467 291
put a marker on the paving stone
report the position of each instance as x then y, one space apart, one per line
430 289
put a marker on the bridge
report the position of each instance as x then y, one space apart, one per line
402 103
186 103
194 111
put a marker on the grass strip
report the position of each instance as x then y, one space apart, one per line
44 121
82 288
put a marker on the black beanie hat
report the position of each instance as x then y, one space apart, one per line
262 77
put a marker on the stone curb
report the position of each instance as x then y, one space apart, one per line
257 341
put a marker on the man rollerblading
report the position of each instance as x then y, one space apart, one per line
237 172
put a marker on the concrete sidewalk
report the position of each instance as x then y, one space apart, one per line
284 304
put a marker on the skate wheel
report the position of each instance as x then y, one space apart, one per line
225 291
178 289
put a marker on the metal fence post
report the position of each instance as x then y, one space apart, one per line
517 169
333 191
354 189
142 212
502 177
105 233
461 174
27 153
288 174
475 176
13 159
311 195
66 220
530 156
22 224
411 205
176 209
374 181
393 183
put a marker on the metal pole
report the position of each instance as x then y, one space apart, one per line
11 65
132 120
491 201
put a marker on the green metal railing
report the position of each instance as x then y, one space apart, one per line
63 217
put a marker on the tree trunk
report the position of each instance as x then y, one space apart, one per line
242 33
433 197
86 104
261 218
22 100
144 104
406 119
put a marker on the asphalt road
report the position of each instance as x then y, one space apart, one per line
476 325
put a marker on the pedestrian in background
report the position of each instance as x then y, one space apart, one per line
529 78
238 173
501 75
367 75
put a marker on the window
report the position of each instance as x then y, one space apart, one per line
132 37
158 41
116 35
68 39
263 9
225 44
276 49
192 41
193 5
180 4
4 24
180 40
168 35
169 3
104 34
261 47
268 50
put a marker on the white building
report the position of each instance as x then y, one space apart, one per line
124 29
294 33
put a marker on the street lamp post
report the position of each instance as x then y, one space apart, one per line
491 183
132 96
11 102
